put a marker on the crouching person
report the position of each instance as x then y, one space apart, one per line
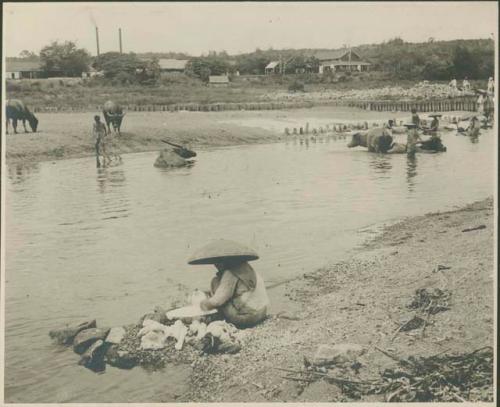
237 291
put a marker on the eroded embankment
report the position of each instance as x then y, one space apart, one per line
69 135
365 301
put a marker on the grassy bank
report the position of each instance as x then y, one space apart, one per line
68 135
365 301
178 88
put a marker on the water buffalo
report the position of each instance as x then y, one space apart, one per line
113 113
17 110
378 140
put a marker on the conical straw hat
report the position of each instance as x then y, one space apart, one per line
222 250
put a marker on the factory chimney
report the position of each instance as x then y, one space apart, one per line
120 39
97 39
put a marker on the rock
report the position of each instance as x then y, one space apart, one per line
320 390
87 337
120 358
288 315
65 336
153 340
229 347
93 358
115 335
337 354
169 159
157 316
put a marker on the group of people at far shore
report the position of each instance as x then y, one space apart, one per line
466 86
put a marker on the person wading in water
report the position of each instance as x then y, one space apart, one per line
99 131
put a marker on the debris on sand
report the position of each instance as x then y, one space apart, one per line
445 378
430 301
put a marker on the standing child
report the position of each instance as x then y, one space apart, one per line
99 132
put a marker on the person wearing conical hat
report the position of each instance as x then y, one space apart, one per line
237 290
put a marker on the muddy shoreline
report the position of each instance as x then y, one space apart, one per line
69 135
363 301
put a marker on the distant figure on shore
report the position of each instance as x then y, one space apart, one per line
415 119
480 103
453 84
237 291
488 109
491 86
99 132
466 84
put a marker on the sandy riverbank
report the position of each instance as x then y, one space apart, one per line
68 135
364 301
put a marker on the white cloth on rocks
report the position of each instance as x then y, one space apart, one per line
155 335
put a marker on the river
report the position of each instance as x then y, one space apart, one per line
110 244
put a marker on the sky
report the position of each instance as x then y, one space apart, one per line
196 28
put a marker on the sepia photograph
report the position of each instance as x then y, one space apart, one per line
249 202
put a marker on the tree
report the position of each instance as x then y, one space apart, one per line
114 64
25 54
203 67
64 58
465 65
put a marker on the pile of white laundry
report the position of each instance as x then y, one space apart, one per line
155 335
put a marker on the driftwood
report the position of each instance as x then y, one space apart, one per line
474 228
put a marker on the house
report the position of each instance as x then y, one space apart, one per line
273 67
16 69
92 72
218 80
172 65
341 60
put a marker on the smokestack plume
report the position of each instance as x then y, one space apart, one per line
97 39
120 39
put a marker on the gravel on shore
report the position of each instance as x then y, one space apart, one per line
364 301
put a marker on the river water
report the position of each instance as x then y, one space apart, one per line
112 243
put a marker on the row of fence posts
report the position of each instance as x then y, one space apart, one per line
338 128
465 104
189 107
445 105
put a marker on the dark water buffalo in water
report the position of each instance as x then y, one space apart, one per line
378 140
113 114
16 110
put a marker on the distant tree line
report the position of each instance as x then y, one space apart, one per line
432 60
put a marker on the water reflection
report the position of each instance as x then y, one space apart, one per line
111 184
380 163
474 139
411 171
110 177
19 173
